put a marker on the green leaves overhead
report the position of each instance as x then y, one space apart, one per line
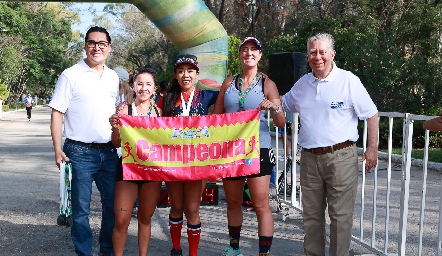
35 40
393 46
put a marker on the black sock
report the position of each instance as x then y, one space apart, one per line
234 234
265 242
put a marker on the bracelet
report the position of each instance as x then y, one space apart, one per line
278 110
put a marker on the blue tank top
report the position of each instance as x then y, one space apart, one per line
252 100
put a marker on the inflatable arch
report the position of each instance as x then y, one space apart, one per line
193 29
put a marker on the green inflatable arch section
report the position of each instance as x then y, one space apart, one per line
193 29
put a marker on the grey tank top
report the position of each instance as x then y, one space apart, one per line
252 100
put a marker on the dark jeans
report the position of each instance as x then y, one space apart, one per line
28 112
92 165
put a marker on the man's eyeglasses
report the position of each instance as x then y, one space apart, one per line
101 44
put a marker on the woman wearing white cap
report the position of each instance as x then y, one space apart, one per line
248 90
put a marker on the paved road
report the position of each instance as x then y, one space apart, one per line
29 203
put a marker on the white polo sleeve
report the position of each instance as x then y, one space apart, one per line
62 94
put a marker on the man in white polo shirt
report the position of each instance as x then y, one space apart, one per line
85 96
330 101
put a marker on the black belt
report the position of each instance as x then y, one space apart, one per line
330 149
100 146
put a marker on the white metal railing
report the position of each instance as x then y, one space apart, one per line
393 222
290 199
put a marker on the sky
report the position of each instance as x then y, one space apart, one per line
86 17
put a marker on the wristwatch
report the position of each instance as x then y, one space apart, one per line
278 110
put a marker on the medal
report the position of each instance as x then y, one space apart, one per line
186 107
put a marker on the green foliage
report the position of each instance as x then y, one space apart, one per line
399 66
392 46
234 65
47 49
14 105
284 43
41 36
4 94
397 58
434 154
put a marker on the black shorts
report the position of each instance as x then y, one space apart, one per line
268 161
119 175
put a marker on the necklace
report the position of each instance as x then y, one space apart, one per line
149 112
242 94
186 106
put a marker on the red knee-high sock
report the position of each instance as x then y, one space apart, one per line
193 236
175 225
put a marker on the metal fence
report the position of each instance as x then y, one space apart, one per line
398 207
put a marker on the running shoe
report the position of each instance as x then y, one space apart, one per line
229 251
176 252
134 212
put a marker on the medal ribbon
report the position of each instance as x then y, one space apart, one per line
149 111
242 94
186 107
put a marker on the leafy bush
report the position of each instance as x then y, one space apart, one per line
233 63
4 93
15 105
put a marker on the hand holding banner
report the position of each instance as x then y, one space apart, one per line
190 147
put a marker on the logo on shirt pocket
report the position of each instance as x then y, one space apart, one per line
337 105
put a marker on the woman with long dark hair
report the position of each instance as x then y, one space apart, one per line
184 99
127 191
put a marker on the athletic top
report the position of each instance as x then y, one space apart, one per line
251 101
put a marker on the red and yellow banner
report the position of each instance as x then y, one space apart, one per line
191 147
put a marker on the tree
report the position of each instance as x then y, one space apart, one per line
393 46
139 43
234 65
4 94
42 35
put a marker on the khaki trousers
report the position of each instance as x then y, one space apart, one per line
329 178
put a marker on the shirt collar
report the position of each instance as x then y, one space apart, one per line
86 68
330 78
